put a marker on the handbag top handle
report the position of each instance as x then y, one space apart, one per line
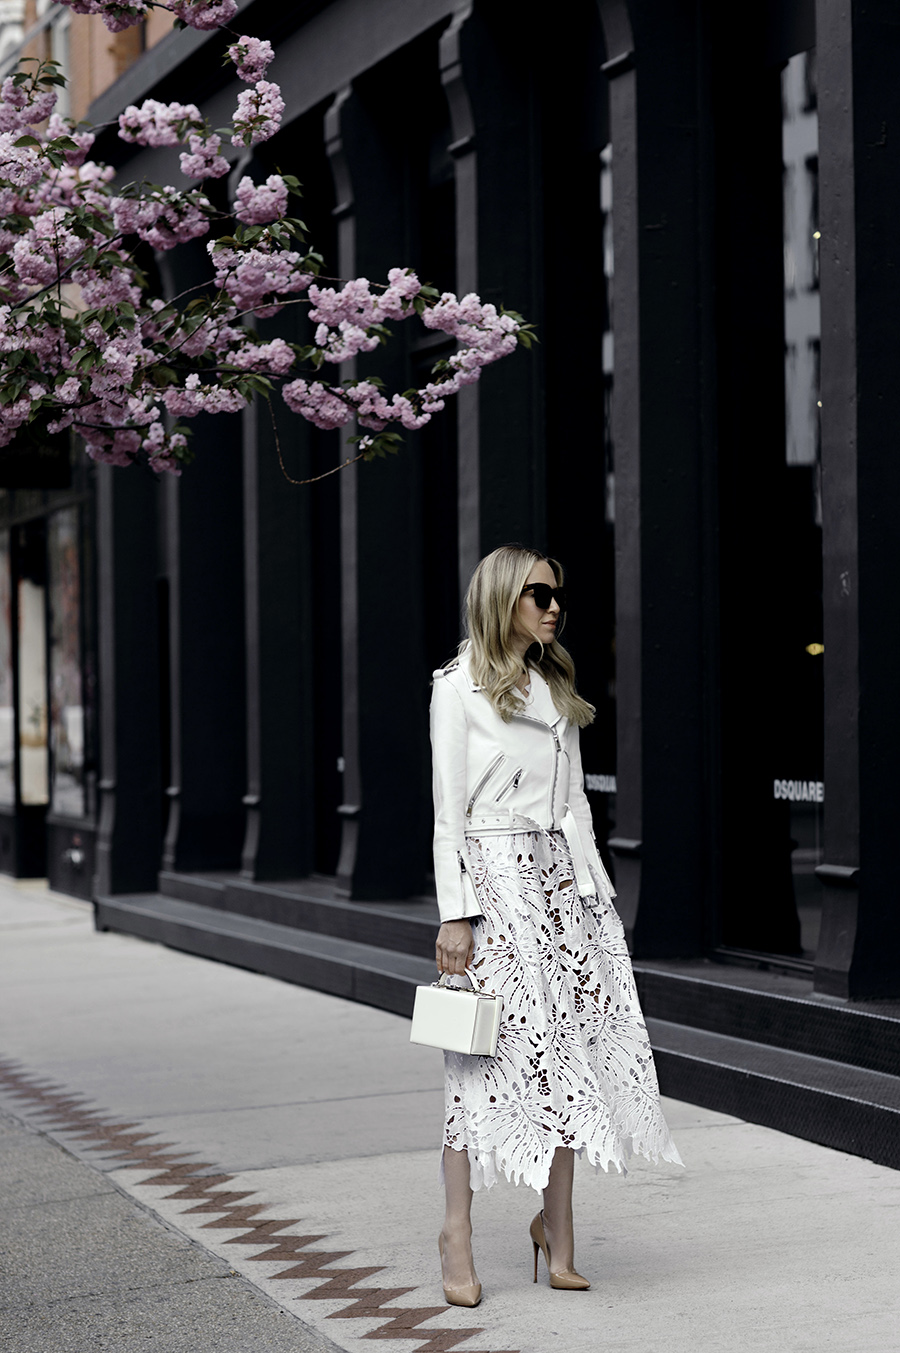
473 981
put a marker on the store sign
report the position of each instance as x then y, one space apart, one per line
800 791
600 784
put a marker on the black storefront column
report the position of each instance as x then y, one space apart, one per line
204 575
487 72
384 812
662 845
129 831
279 836
463 148
858 48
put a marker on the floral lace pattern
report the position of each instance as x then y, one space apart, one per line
573 1066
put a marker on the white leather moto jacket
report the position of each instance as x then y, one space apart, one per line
497 777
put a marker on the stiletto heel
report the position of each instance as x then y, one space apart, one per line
470 1295
567 1280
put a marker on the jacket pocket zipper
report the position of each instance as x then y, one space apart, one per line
463 875
512 783
495 764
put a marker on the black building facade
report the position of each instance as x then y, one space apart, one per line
698 218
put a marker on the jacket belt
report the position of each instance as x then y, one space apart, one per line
506 820
583 877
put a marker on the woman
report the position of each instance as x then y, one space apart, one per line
525 903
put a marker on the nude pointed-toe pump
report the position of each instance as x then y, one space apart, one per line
469 1295
566 1280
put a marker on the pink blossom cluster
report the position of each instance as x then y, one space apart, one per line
255 278
258 114
356 304
476 326
265 359
194 398
344 342
162 449
163 218
203 161
84 185
332 406
110 286
120 14
318 403
22 105
117 14
251 57
20 166
204 14
213 334
348 318
485 333
62 126
47 250
258 204
83 345
159 124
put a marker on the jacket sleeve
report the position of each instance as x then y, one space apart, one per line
581 811
455 890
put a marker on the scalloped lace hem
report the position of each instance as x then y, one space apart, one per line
488 1164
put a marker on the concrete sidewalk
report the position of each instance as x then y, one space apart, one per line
255 1148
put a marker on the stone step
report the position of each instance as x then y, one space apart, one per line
358 972
780 1010
849 1107
844 1107
310 904
766 1007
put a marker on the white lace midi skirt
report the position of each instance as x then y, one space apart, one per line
573 1066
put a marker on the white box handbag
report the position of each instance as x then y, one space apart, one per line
458 1019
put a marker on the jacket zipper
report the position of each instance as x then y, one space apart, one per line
512 783
463 871
555 773
556 755
497 761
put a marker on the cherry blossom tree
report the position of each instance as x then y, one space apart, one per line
86 344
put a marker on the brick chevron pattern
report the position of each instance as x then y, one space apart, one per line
72 1113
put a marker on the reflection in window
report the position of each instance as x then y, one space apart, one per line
33 787
802 670
67 705
7 710
800 140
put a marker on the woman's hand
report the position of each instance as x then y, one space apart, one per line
455 947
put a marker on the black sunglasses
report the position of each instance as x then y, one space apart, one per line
543 594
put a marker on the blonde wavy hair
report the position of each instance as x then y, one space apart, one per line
491 602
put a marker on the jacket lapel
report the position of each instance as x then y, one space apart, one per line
541 706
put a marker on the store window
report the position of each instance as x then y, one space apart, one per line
770 725
798 784
7 707
67 740
34 780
